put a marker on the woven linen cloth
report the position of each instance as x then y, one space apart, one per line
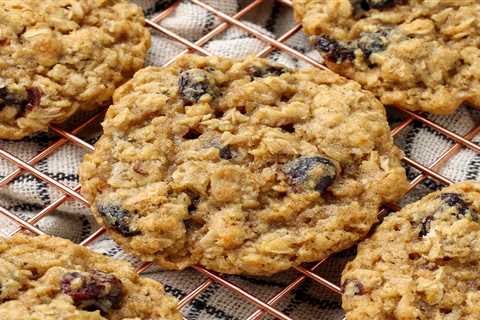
27 195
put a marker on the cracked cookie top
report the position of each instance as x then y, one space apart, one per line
240 166
416 54
58 56
51 278
421 263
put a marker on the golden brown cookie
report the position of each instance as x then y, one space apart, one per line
416 54
240 166
49 278
421 263
59 56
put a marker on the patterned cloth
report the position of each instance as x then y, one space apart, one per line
28 195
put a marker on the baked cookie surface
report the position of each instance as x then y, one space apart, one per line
240 166
50 278
416 54
59 56
421 263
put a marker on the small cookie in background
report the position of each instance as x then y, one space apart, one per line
60 56
415 54
421 262
51 278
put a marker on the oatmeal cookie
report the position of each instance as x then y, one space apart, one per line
51 278
416 54
421 263
240 166
59 56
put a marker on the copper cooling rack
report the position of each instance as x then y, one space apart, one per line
263 307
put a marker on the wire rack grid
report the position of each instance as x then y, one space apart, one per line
263 308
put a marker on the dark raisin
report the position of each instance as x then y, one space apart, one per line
225 153
7 97
242 109
10 99
21 99
414 256
379 4
93 291
194 200
3 93
324 182
118 218
474 214
359 6
317 173
218 114
333 49
455 200
371 42
266 71
288 128
192 134
193 84
326 44
425 226
364 5
353 287
445 310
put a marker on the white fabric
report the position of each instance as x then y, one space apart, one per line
27 195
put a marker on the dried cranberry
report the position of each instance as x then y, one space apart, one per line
34 97
93 290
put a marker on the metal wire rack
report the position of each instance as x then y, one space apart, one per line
303 273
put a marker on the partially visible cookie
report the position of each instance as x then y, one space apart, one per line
421 263
48 278
59 56
244 167
416 54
